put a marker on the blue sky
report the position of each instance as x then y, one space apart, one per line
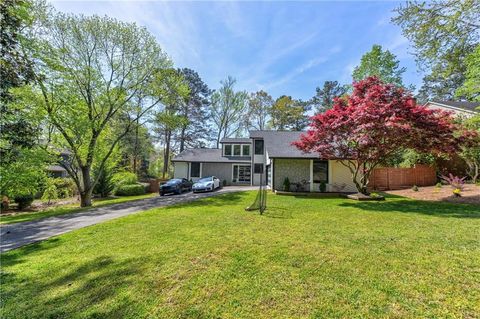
280 47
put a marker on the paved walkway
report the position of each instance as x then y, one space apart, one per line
16 235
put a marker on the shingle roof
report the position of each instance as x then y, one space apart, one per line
235 140
207 155
467 106
279 144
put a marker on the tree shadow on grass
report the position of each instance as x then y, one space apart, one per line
409 206
95 288
227 199
278 212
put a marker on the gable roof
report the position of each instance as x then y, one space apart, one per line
279 144
210 155
460 105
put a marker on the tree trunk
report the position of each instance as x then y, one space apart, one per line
182 139
135 150
166 153
86 193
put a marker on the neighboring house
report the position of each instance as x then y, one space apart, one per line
265 154
56 170
463 109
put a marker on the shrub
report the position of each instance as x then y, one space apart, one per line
130 190
24 201
457 192
224 183
415 188
323 187
438 185
124 178
286 184
51 192
105 185
454 181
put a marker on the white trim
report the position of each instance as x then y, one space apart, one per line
233 149
330 175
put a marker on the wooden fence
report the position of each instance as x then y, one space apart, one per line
389 178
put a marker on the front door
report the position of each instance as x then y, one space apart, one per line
241 174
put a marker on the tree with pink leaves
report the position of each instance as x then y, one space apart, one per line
372 124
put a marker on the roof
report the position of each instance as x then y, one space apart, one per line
462 105
56 168
235 140
207 155
279 144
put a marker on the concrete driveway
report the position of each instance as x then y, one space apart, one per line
16 235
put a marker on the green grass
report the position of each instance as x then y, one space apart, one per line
305 258
67 209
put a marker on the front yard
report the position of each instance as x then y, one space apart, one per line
305 258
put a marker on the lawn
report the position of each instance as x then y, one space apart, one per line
67 209
305 258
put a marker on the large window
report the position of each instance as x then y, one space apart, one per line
258 147
195 170
228 149
320 171
241 174
258 168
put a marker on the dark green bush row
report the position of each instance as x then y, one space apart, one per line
130 190
24 201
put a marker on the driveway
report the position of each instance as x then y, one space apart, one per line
16 235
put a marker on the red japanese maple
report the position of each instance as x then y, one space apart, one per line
372 124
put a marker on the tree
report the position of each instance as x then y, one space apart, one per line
195 130
89 71
443 33
471 86
380 63
259 107
289 114
324 97
372 124
227 110
470 148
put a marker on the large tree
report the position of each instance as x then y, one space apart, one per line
289 114
380 63
89 70
195 131
324 97
372 124
259 107
443 33
471 87
227 110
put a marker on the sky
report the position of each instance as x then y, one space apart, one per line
281 47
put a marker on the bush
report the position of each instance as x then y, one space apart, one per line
415 188
323 187
124 178
286 184
454 181
24 201
457 192
51 192
130 190
105 185
438 185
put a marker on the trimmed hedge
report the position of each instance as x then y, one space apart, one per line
130 190
24 201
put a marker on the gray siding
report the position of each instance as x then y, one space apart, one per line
295 169
221 170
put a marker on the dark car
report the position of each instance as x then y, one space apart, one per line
176 186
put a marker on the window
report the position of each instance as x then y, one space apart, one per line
237 150
246 150
258 169
258 147
241 173
195 170
320 171
228 150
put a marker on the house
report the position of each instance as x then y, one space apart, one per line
464 109
266 156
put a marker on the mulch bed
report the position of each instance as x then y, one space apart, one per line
470 195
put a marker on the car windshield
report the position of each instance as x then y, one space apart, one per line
174 181
205 179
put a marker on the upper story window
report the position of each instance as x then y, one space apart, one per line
258 147
236 150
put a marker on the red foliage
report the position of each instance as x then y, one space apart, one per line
373 123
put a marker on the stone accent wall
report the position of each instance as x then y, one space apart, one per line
295 169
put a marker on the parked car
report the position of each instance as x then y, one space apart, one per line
176 186
206 184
